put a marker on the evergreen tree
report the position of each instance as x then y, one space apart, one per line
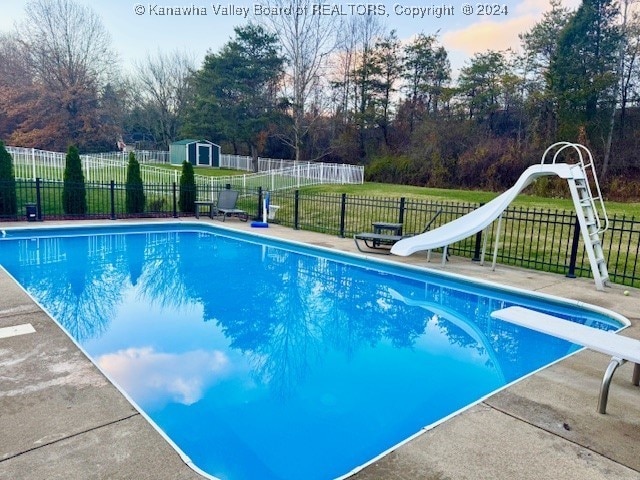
426 72
187 189
134 189
74 195
236 90
8 199
582 71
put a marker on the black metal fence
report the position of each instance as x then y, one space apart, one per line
43 200
547 240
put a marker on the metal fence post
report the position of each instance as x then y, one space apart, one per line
38 200
296 210
401 214
574 250
33 163
343 213
175 201
112 195
476 250
259 215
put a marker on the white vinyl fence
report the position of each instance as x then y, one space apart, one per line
29 163
143 156
283 179
228 161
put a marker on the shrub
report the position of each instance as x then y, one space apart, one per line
187 198
134 189
8 199
156 204
74 195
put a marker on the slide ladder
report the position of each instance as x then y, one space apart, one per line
590 209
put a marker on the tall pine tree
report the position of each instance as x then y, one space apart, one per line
582 71
74 195
236 90
8 198
134 189
187 200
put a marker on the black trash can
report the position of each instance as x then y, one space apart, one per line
32 212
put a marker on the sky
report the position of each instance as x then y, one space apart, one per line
141 28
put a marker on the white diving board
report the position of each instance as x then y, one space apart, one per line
620 348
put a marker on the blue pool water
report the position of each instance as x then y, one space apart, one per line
268 360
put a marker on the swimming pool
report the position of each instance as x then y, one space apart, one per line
264 359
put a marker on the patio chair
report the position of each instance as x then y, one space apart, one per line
226 205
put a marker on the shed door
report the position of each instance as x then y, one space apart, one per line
204 154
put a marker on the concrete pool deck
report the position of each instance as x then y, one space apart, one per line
61 418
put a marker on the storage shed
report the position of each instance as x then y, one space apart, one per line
196 152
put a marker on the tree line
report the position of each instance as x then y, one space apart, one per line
320 88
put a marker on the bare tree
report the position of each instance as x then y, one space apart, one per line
68 44
69 55
306 40
163 81
15 84
630 70
619 87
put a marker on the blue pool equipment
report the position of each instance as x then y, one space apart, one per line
265 211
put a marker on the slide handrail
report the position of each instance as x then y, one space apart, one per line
591 177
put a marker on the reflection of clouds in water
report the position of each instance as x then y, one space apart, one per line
154 377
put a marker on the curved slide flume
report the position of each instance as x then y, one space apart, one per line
481 218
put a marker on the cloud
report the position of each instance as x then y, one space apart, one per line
500 33
154 377
489 35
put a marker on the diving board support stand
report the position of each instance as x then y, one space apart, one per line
621 348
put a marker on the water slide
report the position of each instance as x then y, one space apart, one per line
482 217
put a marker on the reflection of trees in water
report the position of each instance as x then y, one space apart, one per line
82 289
501 341
281 309
300 306
161 281
365 313
271 320
135 257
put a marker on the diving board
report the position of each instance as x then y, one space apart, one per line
621 348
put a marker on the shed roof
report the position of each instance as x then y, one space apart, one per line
188 141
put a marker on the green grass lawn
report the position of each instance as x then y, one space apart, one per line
467 196
204 171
